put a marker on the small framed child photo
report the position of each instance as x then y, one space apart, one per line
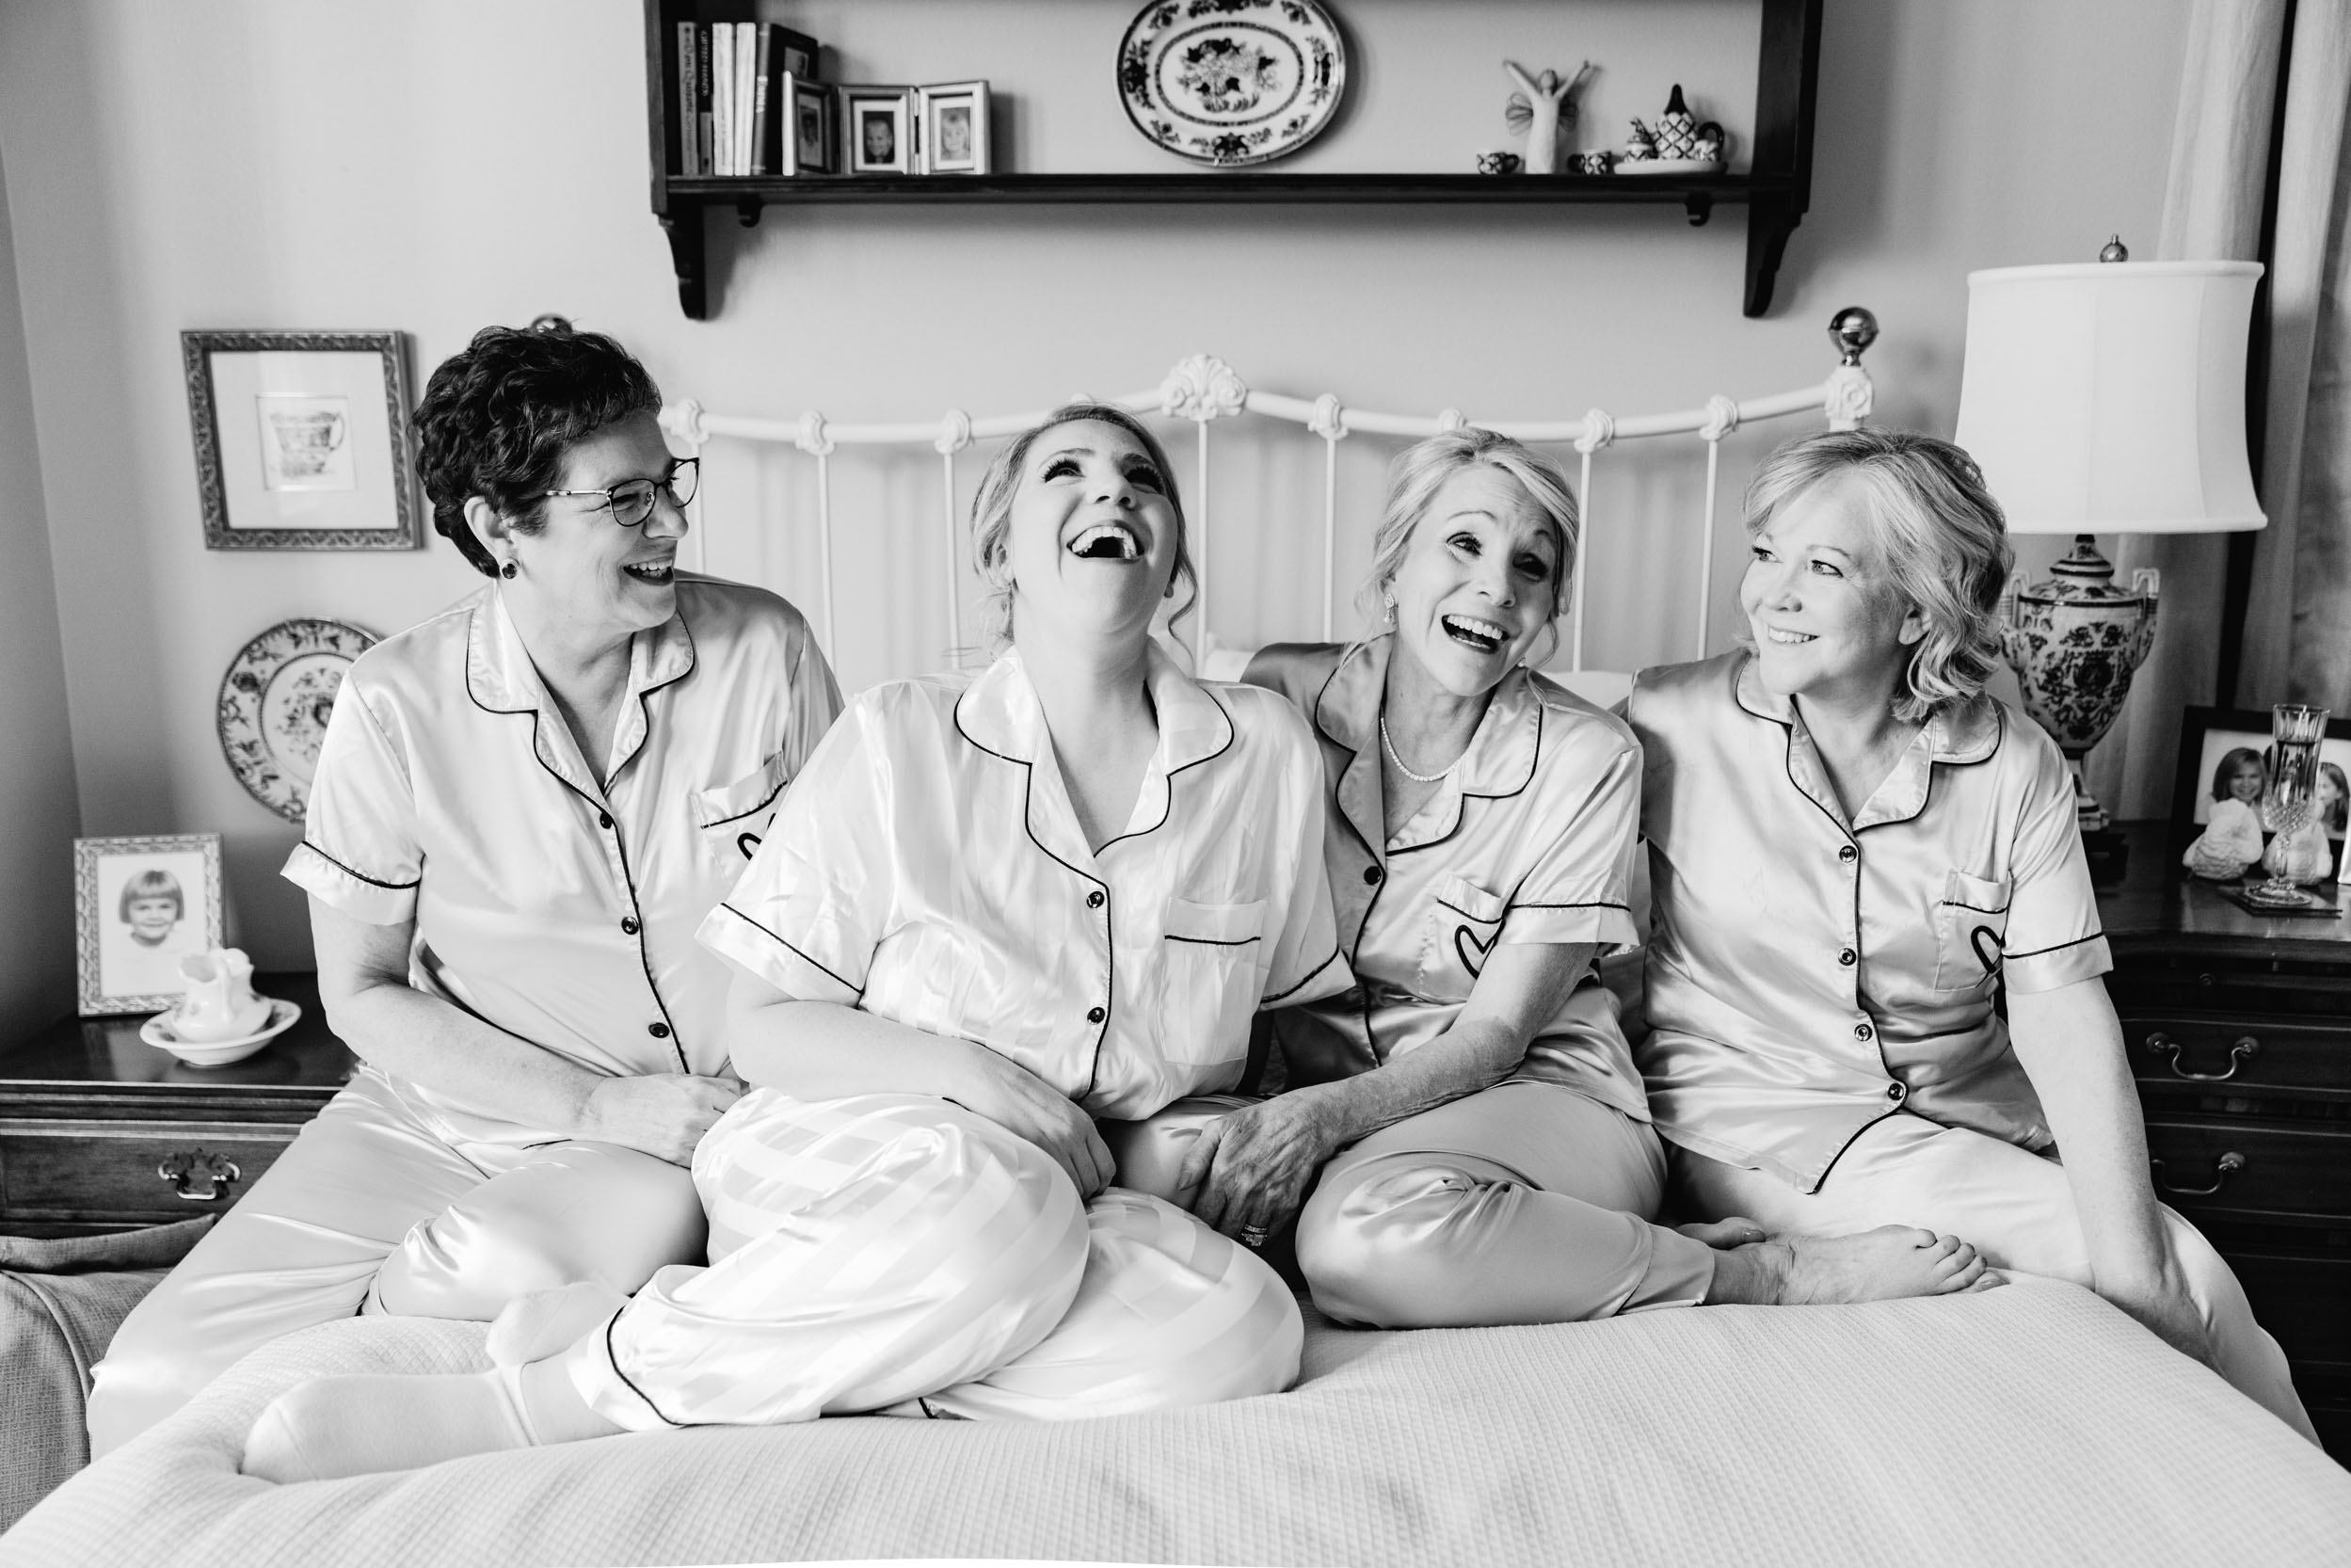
811 144
878 130
955 128
142 905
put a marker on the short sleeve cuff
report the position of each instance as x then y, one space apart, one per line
1327 978
766 955
1608 925
2047 969
375 900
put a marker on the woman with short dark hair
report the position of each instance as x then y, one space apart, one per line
522 810
1856 854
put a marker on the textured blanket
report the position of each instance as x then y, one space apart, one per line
2033 1424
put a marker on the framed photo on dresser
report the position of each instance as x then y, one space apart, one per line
141 906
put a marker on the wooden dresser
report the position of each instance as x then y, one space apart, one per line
2239 1031
100 1130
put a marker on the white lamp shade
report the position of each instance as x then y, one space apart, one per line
2109 398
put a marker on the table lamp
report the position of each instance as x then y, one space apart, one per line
2105 398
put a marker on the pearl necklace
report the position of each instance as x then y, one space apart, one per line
1415 777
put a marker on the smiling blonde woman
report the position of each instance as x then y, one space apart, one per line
1468 1117
1843 1061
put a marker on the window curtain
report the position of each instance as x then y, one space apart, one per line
2211 213
2297 639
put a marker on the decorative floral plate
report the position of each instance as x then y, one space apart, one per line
1232 82
274 703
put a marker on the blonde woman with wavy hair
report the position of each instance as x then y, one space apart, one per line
1462 1139
1856 854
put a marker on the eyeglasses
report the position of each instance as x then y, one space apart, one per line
631 502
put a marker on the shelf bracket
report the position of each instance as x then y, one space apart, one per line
1771 220
747 211
689 256
1699 204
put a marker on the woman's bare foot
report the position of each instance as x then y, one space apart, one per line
1875 1265
1722 1235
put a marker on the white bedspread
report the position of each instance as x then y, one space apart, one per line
2029 1425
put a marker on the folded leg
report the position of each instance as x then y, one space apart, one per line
1529 1203
1169 1313
863 1252
567 1213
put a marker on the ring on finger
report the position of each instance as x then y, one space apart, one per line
1253 1235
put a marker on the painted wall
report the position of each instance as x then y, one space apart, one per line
37 798
441 164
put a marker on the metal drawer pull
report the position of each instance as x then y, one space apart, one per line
2227 1165
2245 1048
217 1174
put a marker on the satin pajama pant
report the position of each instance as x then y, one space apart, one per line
368 1208
1527 1203
898 1253
2015 1206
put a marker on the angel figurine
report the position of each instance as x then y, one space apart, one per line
1545 107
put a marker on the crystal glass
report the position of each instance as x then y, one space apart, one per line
2291 801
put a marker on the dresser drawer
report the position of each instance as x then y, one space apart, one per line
131 1171
2251 1169
2184 1051
2304 1300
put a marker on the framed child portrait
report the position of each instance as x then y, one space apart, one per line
811 144
955 128
2224 756
143 904
879 129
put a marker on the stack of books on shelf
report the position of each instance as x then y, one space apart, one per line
748 100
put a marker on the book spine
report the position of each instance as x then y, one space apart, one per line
762 95
683 92
747 85
706 147
723 97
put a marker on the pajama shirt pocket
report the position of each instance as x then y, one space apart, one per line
1211 959
731 819
1464 922
1970 929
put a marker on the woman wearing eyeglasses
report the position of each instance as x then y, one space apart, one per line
523 808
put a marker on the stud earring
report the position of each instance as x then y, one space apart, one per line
508 571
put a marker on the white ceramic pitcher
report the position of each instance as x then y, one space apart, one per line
220 1003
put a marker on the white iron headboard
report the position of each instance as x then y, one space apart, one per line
1204 389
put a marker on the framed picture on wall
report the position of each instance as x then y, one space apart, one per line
955 128
2223 757
878 128
143 904
302 440
811 142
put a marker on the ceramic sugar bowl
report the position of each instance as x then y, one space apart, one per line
220 1003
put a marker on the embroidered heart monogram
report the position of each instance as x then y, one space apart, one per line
1978 938
1471 952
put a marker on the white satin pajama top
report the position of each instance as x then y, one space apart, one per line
1810 976
1529 839
450 792
928 866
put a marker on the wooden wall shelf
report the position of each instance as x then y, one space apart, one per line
1776 192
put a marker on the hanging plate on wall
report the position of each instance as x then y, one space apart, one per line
273 704
1232 82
